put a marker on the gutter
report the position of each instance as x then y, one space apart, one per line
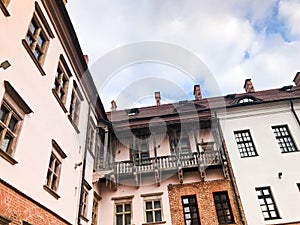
294 112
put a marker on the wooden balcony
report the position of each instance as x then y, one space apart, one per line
170 162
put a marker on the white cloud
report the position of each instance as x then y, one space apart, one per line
236 39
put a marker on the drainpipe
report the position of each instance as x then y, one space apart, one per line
294 112
230 172
83 166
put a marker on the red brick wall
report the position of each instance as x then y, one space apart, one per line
204 193
17 208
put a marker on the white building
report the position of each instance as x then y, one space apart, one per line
261 131
47 103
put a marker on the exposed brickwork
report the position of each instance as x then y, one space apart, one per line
17 208
204 193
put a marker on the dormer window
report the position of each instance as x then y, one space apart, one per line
246 100
133 112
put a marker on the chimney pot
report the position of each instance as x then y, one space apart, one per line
248 86
113 106
157 98
197 92
297 79
86 58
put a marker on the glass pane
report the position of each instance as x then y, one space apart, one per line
5 143
149 216
32 27
119 220
127 207
3 113
40 41
37 53
12 123
148 205
119 208
186 209
157 204
127 219
158 216
192 200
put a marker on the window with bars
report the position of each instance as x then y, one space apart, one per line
54 169
123 213
267 203
61 82
153 210
223 207
245 143
190 210
284 138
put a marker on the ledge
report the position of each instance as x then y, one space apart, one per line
59 101
161 222
84 218
51 192
36 62
4 9
7 157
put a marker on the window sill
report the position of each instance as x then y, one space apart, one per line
75 127
36 62
7 157
290 152
51 192
161 222
4 9
59 101
84 218
252 156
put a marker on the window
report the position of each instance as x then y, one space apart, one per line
54 169
12 112
85 200
123 213
298 186
284 138
37 38
91 137
245 143
267 204
3 6
246 100
139 152
223 208
185 145
76 99
190 210
61 82
153 210
95 209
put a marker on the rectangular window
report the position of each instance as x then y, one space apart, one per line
91 137
12 112
123 213
95 210
153 210
85 198
190 210
76 99
54 169
284 138
185 145
223 207
139 152
61 82
267 203
245 143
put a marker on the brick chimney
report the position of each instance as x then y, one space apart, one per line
86 58
297 79
113 106
157 98
197 92
248 86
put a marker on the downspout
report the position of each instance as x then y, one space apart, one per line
230 172
294 112
83 166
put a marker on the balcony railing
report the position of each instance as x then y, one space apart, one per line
170 162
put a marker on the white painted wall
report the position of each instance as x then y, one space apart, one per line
263 170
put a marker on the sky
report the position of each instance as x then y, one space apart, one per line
214 43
